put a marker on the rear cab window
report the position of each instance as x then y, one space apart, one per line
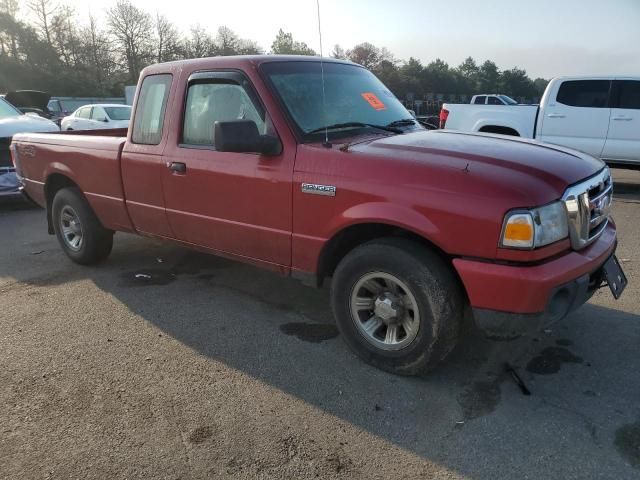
150 109
480 100
584 93
626 94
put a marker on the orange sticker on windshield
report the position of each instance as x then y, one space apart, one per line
374 101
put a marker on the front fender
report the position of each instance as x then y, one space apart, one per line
389 214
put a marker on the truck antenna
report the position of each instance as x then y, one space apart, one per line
326 142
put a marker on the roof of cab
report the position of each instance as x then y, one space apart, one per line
596 77
235 62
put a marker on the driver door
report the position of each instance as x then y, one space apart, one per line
235 203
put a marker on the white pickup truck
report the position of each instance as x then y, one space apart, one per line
597 115
492 99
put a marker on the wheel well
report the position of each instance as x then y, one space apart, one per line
500 130
351 237
55 182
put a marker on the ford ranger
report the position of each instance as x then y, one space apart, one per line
313 168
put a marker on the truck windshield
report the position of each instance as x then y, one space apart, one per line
508 100
354 99
7 110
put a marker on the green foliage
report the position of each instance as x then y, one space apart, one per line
56 54
284 44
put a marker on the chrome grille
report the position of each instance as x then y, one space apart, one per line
588 207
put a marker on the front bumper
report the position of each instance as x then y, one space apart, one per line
509 297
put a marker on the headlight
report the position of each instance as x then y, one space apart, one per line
536 227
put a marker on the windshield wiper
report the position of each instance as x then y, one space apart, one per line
387 128
402 123
412 121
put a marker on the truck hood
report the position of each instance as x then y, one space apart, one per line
9 126
526 170
29 99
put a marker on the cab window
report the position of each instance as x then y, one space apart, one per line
150 109
584 93
627 94
217 100
480 100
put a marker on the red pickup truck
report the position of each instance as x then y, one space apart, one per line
314 169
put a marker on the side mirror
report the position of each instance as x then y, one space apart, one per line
242 136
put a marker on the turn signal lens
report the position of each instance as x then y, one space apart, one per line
518 231
536 227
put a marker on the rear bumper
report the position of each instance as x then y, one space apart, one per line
530 294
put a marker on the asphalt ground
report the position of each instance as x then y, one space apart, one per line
205 368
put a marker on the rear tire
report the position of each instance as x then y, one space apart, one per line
80 233
417 301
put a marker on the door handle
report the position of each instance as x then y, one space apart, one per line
623 119
177 167
556 115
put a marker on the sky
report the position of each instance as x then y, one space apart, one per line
545 37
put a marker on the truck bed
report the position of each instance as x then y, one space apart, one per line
477 118
91 159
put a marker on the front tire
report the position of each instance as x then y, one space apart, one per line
79 232
398 305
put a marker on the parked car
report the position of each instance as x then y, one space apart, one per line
57 110
98 117
492 99
243 157
34 102
13 121
596 115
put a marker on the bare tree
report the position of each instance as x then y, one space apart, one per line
199 44
338 52
226 41
8 26
44 10
97 55
64 36
10 7
249 47
167 39
132 29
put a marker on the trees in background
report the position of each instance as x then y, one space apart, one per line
43 47
132 32
284 44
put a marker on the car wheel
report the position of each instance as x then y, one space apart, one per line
398 305
79 232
